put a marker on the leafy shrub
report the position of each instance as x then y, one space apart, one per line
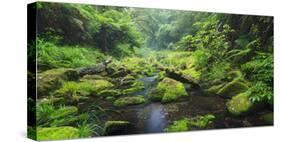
260 71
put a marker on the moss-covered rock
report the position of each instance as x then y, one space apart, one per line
214 89
57 133
239 104
186 124
113 127
168 90
178 126
233 88
109 92
136 87
51 80
125 101
191 74
100 85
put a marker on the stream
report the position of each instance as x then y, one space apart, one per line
153 117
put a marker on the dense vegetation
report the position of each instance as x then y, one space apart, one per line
90 61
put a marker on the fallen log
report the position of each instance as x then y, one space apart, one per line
98 68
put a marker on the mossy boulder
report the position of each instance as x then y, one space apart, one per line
136 87
100 85
51 80
127 80
57 133
191 74
115 127
125 101
168 90
186 124
240 104
233 88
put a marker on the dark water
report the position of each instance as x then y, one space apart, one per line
153 117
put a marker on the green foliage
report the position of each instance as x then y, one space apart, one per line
261 92
136 87
53 56
186 124
43 113
178 126
125 101
260 71
75 90
85 130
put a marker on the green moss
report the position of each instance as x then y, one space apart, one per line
75 91
168 90
110 92
93 77
186 124
136 87
214 89
178 126
233 88
203 121
239 104
110 98
51 80
191 74
124 101
112 127
57 133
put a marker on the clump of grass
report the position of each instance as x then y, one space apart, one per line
51 55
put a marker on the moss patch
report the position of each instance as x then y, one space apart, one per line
57 133
186 124
136 87
112 127
178 126
129 101
239 104
168 90
233 88
51 80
